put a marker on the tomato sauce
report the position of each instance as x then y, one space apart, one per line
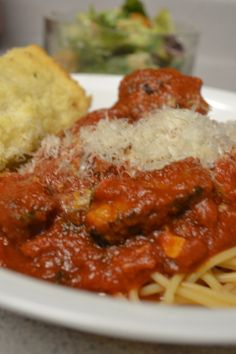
106 231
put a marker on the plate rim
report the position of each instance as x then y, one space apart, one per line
167 324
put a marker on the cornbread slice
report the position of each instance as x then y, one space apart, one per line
37 97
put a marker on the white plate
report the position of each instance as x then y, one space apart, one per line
104 315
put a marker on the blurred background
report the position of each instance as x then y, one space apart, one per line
21 23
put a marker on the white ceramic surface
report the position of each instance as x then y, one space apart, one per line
119 318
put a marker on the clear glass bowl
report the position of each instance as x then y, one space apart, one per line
81 48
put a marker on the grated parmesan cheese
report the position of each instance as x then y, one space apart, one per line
163 137
50 146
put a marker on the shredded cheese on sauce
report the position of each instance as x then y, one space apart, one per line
163 137
150 143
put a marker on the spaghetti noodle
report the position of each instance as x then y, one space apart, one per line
212 285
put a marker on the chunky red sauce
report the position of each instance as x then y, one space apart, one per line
107 232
